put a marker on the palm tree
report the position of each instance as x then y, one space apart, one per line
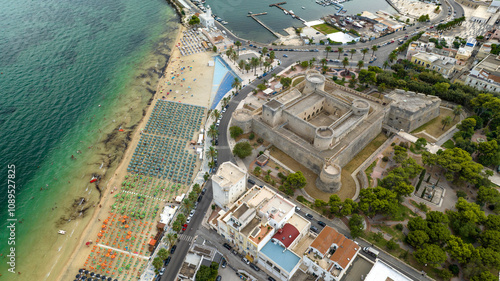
345 63
225 101
171 238
181 218
327 49
211 164
457 111
352 51
266 66
255 62
445 122
212 153
241 64
248 67
272 56
323 62
392 56
360 64
386 64
236 84
340 52
187 204
364 51
374 49
238 44
264 51
212 131
215 114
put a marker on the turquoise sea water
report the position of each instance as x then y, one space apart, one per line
72 72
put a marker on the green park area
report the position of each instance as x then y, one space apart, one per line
325 28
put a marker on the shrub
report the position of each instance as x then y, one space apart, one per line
392 245
385 158
242 149
235 131
454 269
399 226
260 140
461 194
257 171
251 136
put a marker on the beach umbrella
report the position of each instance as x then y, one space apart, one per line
92 274
77 276
81 270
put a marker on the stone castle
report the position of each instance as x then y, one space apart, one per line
323 125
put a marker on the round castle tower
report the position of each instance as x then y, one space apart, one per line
314 81
360 107
323 138
243 119
329 179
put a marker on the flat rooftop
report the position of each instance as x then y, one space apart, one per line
285 258
277 207
299 222
250 226
323 119
274 104
304 104
260 196
289 96
383 272
410 101
228 174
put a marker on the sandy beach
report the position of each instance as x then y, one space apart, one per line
192 86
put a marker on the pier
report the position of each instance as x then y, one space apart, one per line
254 16
393 6
287 11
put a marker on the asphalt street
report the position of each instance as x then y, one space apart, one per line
185 239
224 153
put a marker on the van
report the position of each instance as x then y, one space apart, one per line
371 251
250 181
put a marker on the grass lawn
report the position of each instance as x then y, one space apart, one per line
365 153
297 81
434 127
403 213
325 28
448 144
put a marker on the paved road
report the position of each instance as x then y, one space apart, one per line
182 244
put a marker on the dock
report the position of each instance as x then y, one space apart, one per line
254 16
288 12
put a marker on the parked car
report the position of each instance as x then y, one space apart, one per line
254 267
314 229
250 181
167 261
322 223
219 278
285 56
245 260
298 208
172 250
234 252
162 271
271 279
223 263
309 216
227 246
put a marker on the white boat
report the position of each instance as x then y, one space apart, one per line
62 232
303 7
291 12
284 11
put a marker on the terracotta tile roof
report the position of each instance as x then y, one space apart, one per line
345 253
326 238
287 234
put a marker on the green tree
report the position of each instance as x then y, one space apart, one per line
177 226
385 65
364 51
445 122
352 52
345 63
163 253
489 153
304 64
257 171
335 203
327 49
367 77
215 114
457 111
286 82
491 239
489 257
242 149
212 153
441 87
296 180
235 131
157 263
348 207
238 45
417 223
484 276
356 225
341 50
417 238
171 238
430 254
213 132
400 154
374 49
378 200
420 143
460 251
360 64
194 21
236 83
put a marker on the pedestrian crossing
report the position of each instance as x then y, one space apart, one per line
186 237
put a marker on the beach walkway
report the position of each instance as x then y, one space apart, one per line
122 251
